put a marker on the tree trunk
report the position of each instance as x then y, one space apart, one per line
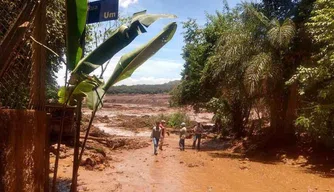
237 119
291 109
282 109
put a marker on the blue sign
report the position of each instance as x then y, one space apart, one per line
103 10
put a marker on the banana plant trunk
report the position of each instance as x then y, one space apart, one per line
76 147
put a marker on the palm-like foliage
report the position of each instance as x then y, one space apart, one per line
281 35
276 39
248 59
259 69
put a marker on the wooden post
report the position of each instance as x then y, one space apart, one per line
47 154
38 68
76 147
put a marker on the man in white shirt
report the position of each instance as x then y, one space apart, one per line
183 134
163 133
155 136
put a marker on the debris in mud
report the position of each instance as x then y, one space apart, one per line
243 167
118 187
192 165
301 160
101 167
82 188
133 122
63 151
104 119
96 132
62 148
127 143
96 159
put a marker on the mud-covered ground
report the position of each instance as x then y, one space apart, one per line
123 160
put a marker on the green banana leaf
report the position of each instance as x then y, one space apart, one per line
62 95
117 41
131 61
94 90
76 13
84 88
94 97
148 19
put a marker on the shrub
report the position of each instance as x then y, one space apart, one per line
177 118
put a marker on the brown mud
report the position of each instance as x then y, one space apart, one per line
122 161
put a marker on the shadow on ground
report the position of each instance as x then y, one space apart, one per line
63 184
319 162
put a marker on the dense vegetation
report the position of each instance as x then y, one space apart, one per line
267 64
55 39
143 89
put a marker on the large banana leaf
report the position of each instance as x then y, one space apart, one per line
117 41
131 61
76 13
148 19
94 98
84 88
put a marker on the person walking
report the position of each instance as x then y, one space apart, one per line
198 130
163 133
183 134
155 136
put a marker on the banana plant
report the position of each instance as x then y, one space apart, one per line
81 84
130 62
122 37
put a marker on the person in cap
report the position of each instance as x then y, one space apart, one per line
163 133
183 134
198 130
155 136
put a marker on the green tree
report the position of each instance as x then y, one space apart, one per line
270 67
316 79
244 55
55 39
194 54
225 69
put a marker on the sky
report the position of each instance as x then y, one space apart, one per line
167 64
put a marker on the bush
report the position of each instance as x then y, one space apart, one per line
172 120
177 118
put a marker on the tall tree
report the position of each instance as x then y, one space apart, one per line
316 80
55 39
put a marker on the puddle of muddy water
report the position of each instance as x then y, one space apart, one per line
121 132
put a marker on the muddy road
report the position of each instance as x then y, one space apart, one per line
189 170
135 168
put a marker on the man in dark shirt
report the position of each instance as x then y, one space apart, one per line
198 130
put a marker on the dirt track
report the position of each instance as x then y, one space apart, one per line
173 170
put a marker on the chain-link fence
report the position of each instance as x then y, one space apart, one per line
15 67
9 11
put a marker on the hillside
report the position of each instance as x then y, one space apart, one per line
143 89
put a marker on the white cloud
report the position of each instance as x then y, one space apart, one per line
126 3
153 71
146 81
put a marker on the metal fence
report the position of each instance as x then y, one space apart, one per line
9 10
16 26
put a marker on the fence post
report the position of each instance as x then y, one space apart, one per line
38 68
